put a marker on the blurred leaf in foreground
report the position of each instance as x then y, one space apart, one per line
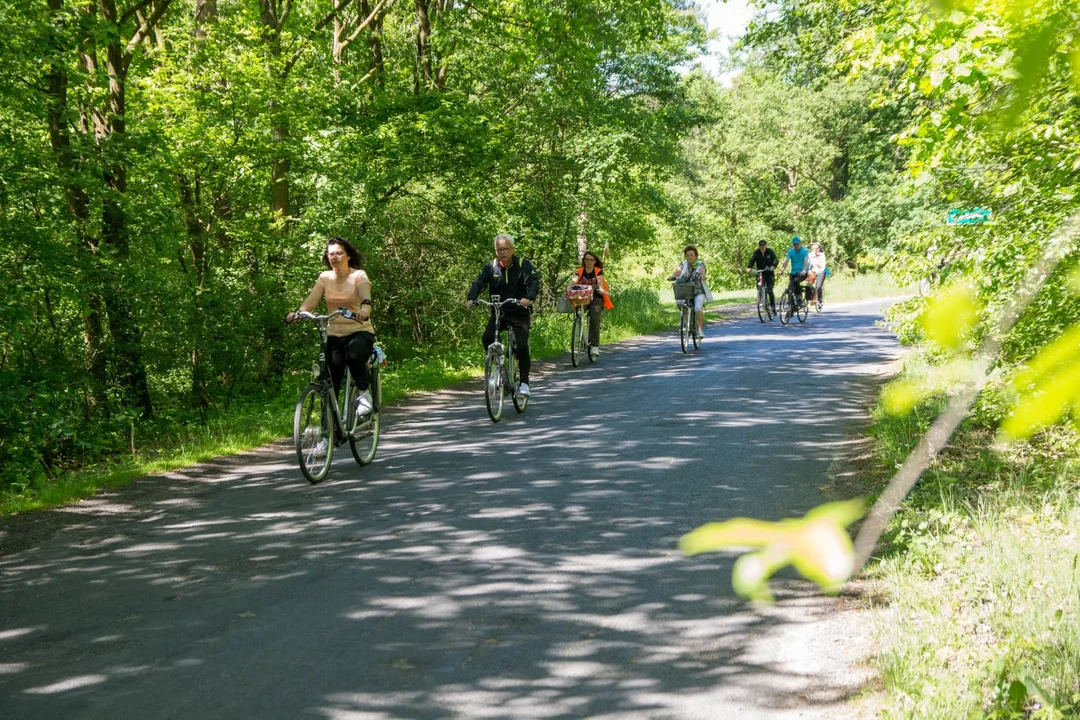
817 545
1046 388
949 317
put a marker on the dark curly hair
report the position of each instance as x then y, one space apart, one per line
356 262
596 258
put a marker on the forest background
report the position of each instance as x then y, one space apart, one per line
170 170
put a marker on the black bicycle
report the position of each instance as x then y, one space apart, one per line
793 304
501 372
319 426
684 298
764 307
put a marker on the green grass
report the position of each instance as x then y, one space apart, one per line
637 311
980 576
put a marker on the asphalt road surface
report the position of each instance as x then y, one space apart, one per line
525 569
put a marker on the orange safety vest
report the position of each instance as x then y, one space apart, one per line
602 282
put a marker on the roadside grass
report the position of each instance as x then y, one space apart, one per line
638 310
979 573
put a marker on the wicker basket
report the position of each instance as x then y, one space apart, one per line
579 294
683 291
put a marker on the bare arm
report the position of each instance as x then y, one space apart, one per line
363 292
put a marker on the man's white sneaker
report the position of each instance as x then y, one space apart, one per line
363 404
320 449
523 390
594 352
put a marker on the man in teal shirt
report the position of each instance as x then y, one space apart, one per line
799 257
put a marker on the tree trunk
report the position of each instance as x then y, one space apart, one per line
422 71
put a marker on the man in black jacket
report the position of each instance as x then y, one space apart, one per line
765 259
509 277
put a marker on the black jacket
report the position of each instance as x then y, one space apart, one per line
518 281
760 260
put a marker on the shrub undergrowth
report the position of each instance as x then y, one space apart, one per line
980 576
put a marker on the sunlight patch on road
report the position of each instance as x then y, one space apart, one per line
74 683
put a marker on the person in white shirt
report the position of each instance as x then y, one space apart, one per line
817 270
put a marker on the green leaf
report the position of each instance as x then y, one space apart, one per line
950 316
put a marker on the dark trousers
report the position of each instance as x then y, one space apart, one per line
795 283
352 350
596 309
520 328
769 280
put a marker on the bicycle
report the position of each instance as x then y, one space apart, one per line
501 372
790 305
764 307
684 297
579 345
317 424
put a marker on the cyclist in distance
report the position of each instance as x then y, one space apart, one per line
509 277
799 257
817 271
591 272
765 259
692 270
348 342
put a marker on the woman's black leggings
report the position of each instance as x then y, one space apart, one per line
352 350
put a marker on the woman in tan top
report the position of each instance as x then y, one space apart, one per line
348 342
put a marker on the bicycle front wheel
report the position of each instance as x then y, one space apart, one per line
364 438
493 385
575 340
785 308
313 433
684 327
762 304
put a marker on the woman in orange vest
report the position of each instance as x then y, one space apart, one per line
591 272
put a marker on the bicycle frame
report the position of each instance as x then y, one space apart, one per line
507 349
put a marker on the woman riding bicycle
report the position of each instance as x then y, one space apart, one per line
692 270
591 273
349 341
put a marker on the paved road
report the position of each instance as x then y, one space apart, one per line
525 569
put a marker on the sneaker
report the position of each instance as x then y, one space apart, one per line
523 390
594 352
363 404
320 449
700 336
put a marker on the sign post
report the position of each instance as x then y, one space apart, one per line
968 217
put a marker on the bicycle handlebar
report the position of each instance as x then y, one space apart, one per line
507 301
343 312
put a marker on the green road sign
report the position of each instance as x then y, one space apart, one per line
968 217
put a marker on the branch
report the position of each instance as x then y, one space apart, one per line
339 5
284 14
946 423
143 30
133 10
375 12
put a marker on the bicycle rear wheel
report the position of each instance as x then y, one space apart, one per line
802 310
364 437
575 339
313 434
785 307
513 372
684 326
493 385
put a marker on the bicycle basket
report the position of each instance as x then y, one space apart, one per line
563 305
579 294
683 291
